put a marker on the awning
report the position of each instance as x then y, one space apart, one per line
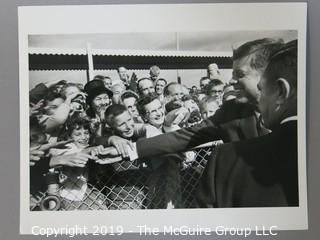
77 59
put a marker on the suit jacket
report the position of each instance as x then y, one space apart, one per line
260 172
232 122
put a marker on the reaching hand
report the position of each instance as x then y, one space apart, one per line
73 96
35 108
109 160
60 144
106 155
72 160
101 151
43 118
177 116
121 145
35 155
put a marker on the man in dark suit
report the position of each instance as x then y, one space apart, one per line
263 171
237 119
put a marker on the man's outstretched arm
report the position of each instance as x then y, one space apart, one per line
178 141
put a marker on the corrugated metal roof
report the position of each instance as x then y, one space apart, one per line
67 62
121 52
57 51
129 52
76 59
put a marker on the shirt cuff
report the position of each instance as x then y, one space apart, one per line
133 154
171 128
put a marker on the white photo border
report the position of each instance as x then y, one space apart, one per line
165 18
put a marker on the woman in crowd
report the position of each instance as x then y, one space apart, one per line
98 99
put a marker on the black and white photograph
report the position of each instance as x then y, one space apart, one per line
171 120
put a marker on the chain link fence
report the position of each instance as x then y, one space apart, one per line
171 183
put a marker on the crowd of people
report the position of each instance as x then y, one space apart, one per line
153 122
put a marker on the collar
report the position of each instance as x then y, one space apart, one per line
288 119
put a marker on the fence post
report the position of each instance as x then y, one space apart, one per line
90 63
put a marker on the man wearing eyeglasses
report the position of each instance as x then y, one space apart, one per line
215 89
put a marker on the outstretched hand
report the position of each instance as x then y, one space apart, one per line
109 160
177 116
73 96
70 160
105 155
121 145
35 155
60 145
101 151
35 108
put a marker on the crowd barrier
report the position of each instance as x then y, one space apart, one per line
126 185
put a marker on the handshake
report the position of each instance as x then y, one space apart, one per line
99 154
105 155
59 155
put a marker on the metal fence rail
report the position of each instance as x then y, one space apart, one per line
128 185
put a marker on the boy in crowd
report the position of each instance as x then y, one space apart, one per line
215 89
123 127
208 107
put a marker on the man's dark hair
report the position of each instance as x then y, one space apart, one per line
187 98
211 84
162 79
121 67
112 112
100 77
283 64
53 95
62 82
144 101
129 94
204 78
76 122
260 50
56 87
